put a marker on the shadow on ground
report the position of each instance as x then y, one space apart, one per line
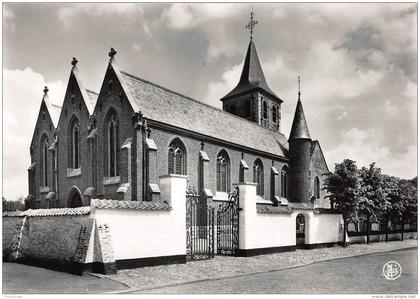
24 279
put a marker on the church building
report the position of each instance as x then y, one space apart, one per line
115 144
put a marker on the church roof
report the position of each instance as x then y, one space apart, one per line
89 96
299 127
252 77
165 106
53 109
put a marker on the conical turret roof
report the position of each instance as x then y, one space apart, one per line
299 127
252 76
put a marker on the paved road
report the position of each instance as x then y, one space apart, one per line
362 275
24 279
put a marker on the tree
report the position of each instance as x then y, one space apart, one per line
12 205
408 201
372 197
391 204
342 187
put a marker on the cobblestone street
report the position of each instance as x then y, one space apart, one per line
227 266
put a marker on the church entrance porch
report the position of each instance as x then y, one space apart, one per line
300 231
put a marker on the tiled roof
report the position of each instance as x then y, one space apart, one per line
53 109
300 206
90 101
168 107
49 212
267 209
299 126
252 76
126 204
325 211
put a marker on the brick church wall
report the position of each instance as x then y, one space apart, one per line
117 101
163 138
79 110
43 127
317 169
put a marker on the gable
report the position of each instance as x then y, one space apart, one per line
84 100
317 156
44 122
119 86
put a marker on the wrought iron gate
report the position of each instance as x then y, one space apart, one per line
200 227
228 225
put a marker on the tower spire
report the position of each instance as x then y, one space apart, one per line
252 23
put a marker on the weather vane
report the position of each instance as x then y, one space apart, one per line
251 24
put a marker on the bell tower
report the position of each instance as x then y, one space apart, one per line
252 98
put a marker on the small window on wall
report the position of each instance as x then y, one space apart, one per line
284 182
316 188
259 176
265 110
177 158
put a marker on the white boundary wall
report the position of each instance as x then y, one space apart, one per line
321 228
139 234
262 230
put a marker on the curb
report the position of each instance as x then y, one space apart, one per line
151 287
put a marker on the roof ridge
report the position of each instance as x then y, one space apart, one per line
197 101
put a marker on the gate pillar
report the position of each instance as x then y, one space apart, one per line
247 212
172 190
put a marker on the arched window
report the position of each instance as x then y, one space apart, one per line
284 182
316 188
44 161
223 172
259 176
74 144
265 110
177 158
275 110
112 144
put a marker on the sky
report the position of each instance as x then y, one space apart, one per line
357 63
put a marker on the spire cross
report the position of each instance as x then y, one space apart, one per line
112 53
251 24
299 88
74 62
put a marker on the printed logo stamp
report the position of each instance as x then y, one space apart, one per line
392 270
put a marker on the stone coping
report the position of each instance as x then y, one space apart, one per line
132 205
49 212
